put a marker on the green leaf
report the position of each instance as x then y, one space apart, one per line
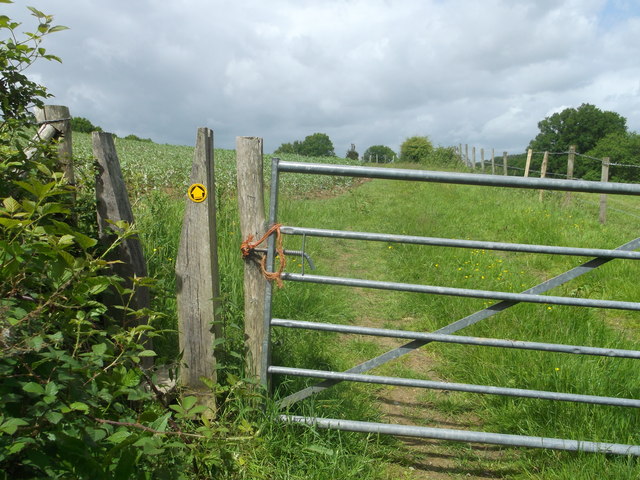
54 417
58 28
189 402
80 406
10 425
99 349
11 204
65 240
147 353
33 387
119 436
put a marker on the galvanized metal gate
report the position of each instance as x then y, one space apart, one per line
445 334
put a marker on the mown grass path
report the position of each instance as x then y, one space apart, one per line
482 214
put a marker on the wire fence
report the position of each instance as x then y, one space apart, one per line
579 166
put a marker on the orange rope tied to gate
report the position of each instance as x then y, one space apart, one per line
248 246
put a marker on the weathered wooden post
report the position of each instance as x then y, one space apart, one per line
113 206
504 163
473 156
460 153
604 177
252 224
197 279
55 122
466 154
528 164
543 170
482 160
571 158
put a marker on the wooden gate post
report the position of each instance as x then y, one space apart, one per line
113 206
252 222
197 280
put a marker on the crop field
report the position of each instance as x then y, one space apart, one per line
157 176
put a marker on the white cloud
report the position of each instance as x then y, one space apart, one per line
363 71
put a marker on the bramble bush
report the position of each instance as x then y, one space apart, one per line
75 401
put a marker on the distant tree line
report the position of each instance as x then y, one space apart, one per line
84 125
594 133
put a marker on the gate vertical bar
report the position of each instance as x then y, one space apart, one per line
265 361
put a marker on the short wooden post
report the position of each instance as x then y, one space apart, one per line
460 153
466 154
58 117
249 160
113 206
504 163
473 156
493 161
482 160
528 165
543 171
604 177
197 279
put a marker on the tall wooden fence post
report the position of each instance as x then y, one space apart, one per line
604 177
197 279
482 160
505 156
59 118
252 223
528 165
113 206
473 156
466 154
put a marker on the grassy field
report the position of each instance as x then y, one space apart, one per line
158 174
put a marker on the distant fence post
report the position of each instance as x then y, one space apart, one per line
473 156
493 161
249 161
571 158
460 153
197 279
55 121
528 164
504 163
482 160
543 170
466 154
604 177
113 206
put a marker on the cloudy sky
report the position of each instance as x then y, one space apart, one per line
363 71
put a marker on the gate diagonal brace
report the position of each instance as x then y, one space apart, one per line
458 325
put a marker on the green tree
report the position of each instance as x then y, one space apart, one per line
416 149
288 148
622 149
83 125
317 145
583 127
379 154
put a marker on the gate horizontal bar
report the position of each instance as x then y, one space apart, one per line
450 242
462 292
465 435
460 178
457 387
460 339
460 324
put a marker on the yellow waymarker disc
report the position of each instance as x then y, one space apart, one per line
197 192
